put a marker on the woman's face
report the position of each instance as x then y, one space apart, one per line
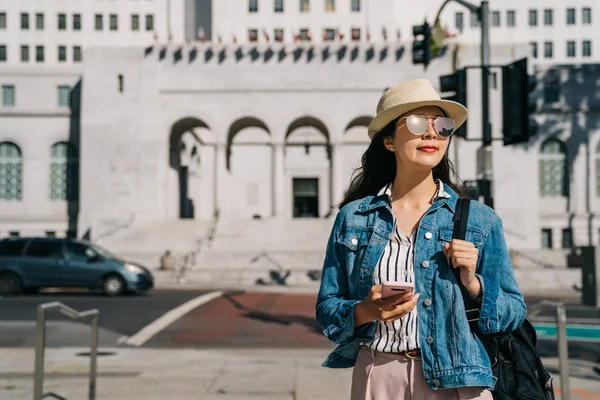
424 150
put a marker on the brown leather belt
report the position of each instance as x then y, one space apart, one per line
413 354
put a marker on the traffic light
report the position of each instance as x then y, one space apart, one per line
421 50
517 104
456 82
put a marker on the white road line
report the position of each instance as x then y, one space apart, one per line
147 332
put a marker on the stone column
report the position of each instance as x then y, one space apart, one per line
278 188
221 180
337 183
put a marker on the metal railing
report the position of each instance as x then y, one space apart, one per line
561 337
40 345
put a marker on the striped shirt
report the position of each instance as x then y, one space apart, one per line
396 264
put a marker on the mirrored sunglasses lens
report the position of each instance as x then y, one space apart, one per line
444 126
417 125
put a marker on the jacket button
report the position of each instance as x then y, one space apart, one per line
436 382
428 302
428 235
354 241
429 340
425 264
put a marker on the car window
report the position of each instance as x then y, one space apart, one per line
12 247
78 251
45 248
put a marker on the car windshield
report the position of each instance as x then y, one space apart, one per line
102 252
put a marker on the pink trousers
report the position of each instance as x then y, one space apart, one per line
385 376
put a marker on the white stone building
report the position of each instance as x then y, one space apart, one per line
274 134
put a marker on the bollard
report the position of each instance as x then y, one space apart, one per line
563 350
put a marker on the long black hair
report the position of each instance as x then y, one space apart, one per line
379 168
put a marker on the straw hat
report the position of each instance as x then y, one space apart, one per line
409 95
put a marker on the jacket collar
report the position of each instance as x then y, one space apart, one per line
444 195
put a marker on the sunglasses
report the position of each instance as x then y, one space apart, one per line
418 125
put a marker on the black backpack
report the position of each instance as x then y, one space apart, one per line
515 361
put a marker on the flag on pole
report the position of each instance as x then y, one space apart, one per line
437 39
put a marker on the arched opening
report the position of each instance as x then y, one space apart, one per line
553 169
11 172
250 163
308 166
191 155
356 142
63 172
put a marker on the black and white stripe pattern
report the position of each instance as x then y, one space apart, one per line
397 264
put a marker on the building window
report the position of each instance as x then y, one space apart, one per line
355 34
63 96
474 19
76 54
76 22
532 17
279 35
278 6
50 234
8 95
551 89
496 18
24 21
510 18
553 167
62 22
2 53
11 171
570 49
546 238
587 48
459 20
135 22
567 238
304 6
547 49
252 35
39 21
63 169
253 6
39 53
3 20
62 53
98 22
586 16
570 16
330 5
24 53
149 22
355 5
534 49
113 22
598 169
328 35
548 17
304 34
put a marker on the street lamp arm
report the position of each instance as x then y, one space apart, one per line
470 6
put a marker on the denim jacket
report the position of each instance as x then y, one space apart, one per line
452 356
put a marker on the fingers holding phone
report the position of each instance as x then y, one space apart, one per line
389 301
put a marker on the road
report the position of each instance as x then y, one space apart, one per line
234 320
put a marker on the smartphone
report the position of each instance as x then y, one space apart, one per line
391 288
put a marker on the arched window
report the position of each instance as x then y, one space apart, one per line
553 169
63 171
11 171
598 169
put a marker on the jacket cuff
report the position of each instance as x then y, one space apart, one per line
488 317
342 327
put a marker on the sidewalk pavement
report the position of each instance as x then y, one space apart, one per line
152 374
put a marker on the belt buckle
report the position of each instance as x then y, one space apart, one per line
413 354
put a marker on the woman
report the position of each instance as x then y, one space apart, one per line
396 224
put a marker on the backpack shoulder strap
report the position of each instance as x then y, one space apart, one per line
459 231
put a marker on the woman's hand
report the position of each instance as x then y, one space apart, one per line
374 308
464 255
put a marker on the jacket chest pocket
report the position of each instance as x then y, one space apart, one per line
354 243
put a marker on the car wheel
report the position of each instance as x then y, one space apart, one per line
113 285
10 284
